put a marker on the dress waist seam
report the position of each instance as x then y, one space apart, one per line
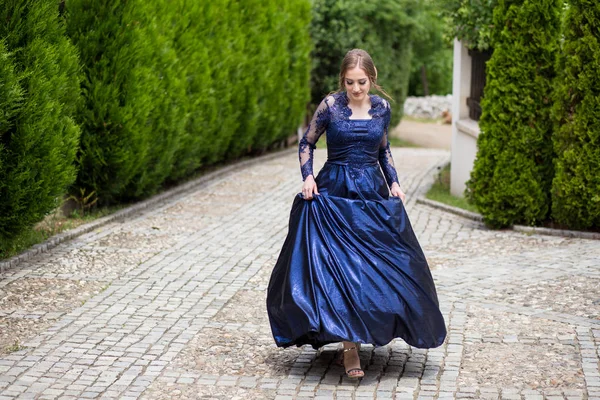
354 163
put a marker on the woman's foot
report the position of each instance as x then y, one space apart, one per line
352 361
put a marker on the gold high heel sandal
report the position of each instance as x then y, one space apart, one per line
358 372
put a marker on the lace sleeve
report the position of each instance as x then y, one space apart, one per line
315 129
385 155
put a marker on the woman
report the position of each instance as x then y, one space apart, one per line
351 269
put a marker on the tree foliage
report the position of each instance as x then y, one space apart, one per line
470 21
128 129
512 174
576 184
253 62
383 28
172 86
432 53
39 92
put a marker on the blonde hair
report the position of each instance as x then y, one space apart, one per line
361 59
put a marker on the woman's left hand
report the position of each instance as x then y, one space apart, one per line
397 192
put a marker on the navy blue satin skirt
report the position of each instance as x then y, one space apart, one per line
351 268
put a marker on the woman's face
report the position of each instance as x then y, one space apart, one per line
357 84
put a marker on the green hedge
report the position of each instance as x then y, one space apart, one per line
39 92
576 184
512 174
174 85
170 107
382 28
130 128
253 61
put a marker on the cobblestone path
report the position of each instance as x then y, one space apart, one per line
171 305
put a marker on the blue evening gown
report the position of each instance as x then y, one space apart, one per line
351 267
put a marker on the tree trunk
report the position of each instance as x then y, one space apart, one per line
424 81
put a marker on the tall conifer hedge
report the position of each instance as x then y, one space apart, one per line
173 85
39 92
129 127
247 76
511 179
576 184
170 108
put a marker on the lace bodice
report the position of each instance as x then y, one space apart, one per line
350 141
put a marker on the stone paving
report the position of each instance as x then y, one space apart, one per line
170 304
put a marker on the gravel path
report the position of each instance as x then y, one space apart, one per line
169 304
424 134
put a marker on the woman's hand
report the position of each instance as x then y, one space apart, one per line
397 192
309 188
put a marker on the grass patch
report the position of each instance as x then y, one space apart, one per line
53 224
440 191
16 346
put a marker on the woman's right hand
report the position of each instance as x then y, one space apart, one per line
309 188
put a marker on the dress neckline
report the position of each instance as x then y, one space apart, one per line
347 111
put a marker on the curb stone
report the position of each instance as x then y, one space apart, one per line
144 205
517 228
451 209
556 232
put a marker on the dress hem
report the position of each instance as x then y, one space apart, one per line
305 340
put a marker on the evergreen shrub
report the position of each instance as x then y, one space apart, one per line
39 94
511 178
130 126
282 69
175 85
247 76
576 184
170 108
383 28
196 33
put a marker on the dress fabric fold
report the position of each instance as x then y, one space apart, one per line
351 268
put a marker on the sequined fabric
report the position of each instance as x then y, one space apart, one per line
352 141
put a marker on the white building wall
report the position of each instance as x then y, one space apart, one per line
464 130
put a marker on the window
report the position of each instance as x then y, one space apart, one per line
478 61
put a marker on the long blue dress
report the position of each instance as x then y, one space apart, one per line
351 267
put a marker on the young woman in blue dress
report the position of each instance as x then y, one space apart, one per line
351 269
